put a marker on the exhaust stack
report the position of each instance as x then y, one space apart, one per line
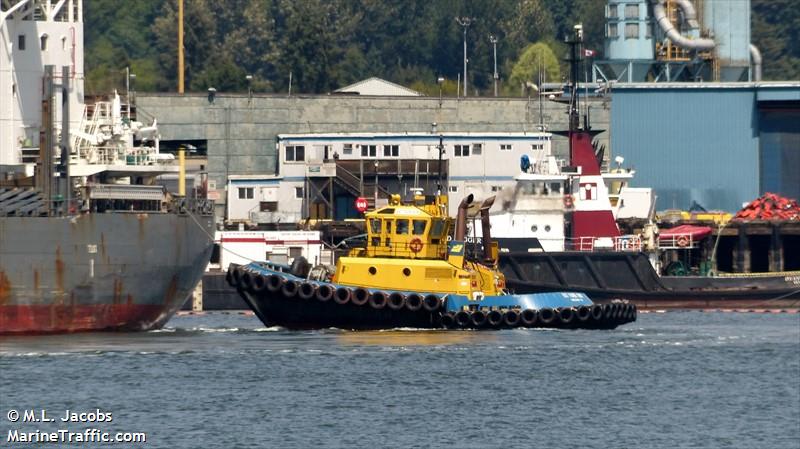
486 229
461 218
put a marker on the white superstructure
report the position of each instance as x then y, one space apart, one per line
35 33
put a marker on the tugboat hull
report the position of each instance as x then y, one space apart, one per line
279 298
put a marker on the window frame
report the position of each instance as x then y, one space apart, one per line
294 153
632 26
391 150
369 150
246 193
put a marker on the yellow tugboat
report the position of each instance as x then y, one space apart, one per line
416 270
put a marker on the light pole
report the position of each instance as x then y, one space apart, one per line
128 76
249 79
440 81
493 40
465 22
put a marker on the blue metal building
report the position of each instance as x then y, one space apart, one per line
719 144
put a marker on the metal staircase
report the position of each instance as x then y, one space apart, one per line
353 184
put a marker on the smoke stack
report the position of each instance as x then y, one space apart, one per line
461 218
486 227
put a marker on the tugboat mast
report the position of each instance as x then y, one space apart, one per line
574 63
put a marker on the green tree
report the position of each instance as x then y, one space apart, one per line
776 30
537 64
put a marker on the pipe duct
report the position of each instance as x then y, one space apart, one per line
677 38
755 59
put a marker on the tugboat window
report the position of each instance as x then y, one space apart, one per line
402 227
419 227
437 228
375 226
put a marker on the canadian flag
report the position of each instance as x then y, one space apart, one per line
588 53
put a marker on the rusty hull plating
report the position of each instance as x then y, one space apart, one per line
115 271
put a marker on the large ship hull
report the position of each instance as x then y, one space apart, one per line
112 271
605 276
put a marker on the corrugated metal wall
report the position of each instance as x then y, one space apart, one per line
780 151
689 142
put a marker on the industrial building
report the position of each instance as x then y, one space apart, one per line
678 96
717 144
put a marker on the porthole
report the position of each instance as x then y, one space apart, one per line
407 271
372 270
534 228
547 228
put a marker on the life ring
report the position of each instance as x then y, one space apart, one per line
568 201
683 241
415 245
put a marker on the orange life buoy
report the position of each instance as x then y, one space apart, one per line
568 201
415 245
683 241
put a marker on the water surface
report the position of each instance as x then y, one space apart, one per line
672 380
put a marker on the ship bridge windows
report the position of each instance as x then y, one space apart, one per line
437 229
374 226
402 227
419 227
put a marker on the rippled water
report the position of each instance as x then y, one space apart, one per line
679 379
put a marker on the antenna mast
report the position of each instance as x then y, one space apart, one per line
180 46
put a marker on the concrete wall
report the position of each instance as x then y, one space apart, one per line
241 131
